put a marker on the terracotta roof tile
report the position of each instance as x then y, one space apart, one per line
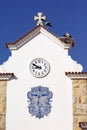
21 37
6 76
76 75
63 39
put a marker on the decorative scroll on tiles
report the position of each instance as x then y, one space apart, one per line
39 101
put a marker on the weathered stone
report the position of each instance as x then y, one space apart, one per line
2 107
78 118
2 97
79 102
2 121
83 99
82 81
76 126
74 81
3 85
2 128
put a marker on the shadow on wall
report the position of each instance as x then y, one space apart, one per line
4 53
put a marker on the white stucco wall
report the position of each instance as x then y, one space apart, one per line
17 115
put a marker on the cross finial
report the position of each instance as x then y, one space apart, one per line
39 18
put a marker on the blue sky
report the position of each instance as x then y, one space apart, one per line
16 18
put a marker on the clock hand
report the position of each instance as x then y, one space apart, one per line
36 66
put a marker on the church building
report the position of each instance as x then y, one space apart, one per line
41 86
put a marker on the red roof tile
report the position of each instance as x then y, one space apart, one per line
76 75
6 76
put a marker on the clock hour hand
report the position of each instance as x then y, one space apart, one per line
36 66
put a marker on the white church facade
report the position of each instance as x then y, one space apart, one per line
41 86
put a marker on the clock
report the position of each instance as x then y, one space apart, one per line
39 67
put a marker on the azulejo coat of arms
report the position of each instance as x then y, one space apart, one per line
39 99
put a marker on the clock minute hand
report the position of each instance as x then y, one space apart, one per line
36 66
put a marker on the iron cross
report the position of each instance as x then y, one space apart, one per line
39 18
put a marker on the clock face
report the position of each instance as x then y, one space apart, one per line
39 67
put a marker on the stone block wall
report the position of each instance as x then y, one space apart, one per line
3 85
79 102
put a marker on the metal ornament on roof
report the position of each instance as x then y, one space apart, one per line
40 18
39 101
